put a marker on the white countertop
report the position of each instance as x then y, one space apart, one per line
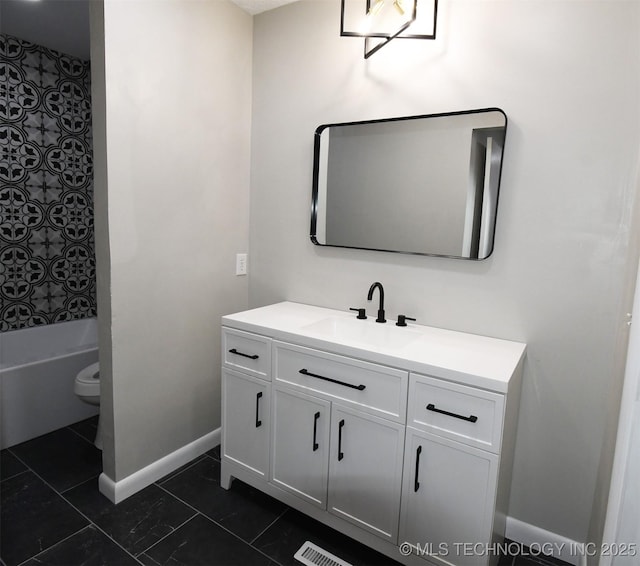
464 358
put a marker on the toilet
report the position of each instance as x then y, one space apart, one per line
87 388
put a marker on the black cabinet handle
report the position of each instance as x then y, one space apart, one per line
358 387
416 483
315 430
470 418
250 356
340 453
258 421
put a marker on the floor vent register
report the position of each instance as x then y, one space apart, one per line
313 555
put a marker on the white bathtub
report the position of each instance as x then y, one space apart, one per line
37 369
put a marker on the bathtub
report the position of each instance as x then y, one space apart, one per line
37 369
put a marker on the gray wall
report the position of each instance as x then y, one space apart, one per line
172 85
567 75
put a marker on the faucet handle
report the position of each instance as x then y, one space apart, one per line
361 313
402 320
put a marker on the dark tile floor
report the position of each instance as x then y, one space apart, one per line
53 514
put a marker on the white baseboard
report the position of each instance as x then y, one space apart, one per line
541 541
120 490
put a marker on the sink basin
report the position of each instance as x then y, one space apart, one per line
367 332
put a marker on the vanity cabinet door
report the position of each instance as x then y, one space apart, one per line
365 471
246 408
300 445
448 499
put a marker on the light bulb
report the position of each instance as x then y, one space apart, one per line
375 9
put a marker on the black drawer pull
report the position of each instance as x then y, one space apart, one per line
258 421
315 430
470 418
340 453
416 483
358 387
250 356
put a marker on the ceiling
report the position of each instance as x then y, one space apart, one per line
258 6
63 25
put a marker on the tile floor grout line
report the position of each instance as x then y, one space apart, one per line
55 544
175 473
18 458
62 492
105 533
75 509
212 457
169 534
14 475
80 435
221 526
29 469
270 558
197 512
269 526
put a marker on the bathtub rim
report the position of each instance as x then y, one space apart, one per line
84 329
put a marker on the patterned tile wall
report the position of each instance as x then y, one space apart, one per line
47 259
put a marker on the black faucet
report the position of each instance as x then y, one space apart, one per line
373 287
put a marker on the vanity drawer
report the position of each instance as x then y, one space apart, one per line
247 352
371 388
468 415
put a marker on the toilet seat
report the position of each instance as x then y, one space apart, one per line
87 387
87 382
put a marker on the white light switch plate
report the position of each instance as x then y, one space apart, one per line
241 264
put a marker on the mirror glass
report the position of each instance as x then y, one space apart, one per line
417 184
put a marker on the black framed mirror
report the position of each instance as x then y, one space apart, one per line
423 185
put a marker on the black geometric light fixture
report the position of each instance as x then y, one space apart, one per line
380 21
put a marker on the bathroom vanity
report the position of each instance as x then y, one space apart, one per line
389 434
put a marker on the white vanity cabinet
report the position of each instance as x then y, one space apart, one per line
448 499
246 401
386 434
450 486
300 445
338 435
365 471
246 416
338 459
